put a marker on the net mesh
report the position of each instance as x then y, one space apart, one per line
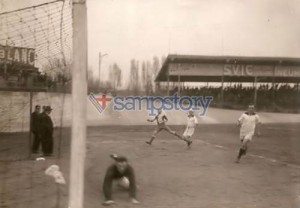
46 28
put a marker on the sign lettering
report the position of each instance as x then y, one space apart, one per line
286 71
19 55
238 70
250 70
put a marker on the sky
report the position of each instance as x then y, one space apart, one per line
141 29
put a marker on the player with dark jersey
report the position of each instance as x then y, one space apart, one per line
119 171
161 119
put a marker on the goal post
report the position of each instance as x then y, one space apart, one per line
79 95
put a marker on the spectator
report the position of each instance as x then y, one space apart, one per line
35 129
284 96
47 131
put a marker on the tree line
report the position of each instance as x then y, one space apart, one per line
140 81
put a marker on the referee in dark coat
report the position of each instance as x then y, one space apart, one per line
117 171
47 131
35 129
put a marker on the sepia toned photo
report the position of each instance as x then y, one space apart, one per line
149 104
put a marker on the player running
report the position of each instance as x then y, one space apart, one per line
192 121
249 122
161 119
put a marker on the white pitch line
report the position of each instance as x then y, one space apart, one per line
219 146
113 142
253 155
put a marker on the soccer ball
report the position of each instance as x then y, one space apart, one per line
124 183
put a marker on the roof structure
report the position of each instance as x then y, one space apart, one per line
194 68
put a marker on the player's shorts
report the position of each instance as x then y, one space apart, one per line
247 137
189 131
162 126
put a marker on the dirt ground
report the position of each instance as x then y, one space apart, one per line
168 174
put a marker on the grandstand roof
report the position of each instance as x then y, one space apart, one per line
211 69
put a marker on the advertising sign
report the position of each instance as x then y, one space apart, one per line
233 70
19 55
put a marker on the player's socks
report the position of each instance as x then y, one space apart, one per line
189 143
184 139
245 150
151 140
178 136
241 152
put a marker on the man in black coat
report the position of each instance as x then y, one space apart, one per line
47 131
119 171
35 129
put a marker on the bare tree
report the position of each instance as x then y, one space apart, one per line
115 75
58 68
149 71
163 59
156 66
93 84
134 77
146 78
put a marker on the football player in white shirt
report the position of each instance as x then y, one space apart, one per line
192 121
161 119
249 124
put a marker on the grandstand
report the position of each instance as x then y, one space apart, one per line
270 83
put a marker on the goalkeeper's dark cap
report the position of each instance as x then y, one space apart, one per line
118 158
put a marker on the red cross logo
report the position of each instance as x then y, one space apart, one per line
103 101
